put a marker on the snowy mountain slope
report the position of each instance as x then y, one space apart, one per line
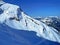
52 21
10 36
15 18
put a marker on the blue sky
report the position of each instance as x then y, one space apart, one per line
36 8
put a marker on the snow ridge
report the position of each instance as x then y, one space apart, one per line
15 18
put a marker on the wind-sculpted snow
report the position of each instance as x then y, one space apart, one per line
15 18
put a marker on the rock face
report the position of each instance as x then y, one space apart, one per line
15 18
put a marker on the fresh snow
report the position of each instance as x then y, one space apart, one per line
22 21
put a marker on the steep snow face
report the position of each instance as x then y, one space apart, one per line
15 18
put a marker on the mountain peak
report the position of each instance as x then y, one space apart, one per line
14 17
8 11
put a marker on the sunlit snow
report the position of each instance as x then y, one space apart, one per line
27 23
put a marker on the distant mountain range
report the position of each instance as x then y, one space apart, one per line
53 21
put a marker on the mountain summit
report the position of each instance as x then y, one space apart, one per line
13 16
